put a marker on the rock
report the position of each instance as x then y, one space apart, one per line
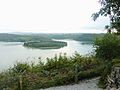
114 79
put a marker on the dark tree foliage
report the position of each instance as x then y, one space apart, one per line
110 8
108 47
46 44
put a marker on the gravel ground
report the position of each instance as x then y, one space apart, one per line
84 85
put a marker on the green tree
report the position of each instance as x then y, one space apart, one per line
108 47
110 8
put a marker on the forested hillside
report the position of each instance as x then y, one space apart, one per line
47 37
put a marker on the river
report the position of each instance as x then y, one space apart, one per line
12 52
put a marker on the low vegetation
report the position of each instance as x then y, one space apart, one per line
60 70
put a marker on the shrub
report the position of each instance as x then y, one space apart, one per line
106 71
59 70
108 47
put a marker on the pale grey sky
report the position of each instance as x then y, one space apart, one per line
51 16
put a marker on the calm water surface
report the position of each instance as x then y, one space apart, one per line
12 52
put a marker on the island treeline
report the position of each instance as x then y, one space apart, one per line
45 44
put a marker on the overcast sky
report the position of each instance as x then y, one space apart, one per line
51 16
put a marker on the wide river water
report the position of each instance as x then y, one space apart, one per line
12 52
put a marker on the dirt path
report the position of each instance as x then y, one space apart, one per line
84 85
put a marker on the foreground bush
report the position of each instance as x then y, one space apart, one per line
108 47
60 70
108 50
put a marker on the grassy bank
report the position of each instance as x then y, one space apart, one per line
60 70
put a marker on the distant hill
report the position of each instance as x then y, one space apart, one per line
76 36
47 37
22 38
